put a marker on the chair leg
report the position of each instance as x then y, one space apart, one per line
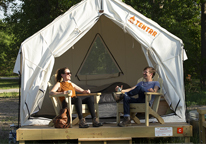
97 115
118 118
154 114
75 121
135 119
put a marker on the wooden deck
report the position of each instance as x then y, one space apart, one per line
109 131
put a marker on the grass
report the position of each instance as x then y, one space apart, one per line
9 95
195 98
9 83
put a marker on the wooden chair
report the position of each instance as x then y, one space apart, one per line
58 105
202 124
144 107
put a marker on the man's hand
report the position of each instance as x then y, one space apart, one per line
117 88
151 90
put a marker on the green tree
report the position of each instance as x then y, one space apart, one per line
34 15
181 18
203 43
6 57
27 19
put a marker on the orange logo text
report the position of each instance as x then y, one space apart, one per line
142 26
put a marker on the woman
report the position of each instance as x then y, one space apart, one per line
64 86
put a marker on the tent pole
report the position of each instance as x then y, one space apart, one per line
19 93
19 98
101 7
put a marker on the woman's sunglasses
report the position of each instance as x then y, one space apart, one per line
68 73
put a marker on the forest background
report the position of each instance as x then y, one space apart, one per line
184 18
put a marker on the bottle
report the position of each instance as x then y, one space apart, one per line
10 137
119 89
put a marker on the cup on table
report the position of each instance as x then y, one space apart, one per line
69 92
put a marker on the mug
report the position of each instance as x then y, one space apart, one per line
69 92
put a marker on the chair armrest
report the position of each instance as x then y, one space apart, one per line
153 93
201 110
91 94
119 92
61 95
96 96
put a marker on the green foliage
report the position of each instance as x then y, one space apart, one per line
35 15
9 83
181 18
7 59
195 98
9 95
26 20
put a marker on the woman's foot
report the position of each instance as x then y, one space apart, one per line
96 123
82 123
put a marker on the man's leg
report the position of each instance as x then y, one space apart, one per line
137 90
126 103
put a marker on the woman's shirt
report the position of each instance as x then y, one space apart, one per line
65 86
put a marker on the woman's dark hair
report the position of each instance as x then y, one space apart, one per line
151 70
59 72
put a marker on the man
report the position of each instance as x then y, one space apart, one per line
144 86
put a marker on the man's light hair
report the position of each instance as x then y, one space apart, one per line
151 70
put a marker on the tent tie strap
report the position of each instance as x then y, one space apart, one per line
42 90
28 110
76 29
125 23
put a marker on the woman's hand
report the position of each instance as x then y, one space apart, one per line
87 91
65 92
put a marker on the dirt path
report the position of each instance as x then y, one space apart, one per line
9 90
8 116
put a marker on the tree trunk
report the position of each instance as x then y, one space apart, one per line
203 45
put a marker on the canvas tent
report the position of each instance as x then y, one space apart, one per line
130 40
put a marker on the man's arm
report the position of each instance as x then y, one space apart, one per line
156 88
124 90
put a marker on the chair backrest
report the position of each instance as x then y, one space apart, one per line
51 82
154 79
155 104
55 100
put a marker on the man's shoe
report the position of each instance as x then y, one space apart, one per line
82 123
117 97
125 122
96 123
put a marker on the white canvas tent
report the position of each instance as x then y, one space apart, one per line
132 41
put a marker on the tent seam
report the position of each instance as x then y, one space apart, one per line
35 64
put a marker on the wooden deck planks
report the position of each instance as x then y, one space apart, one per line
107 131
